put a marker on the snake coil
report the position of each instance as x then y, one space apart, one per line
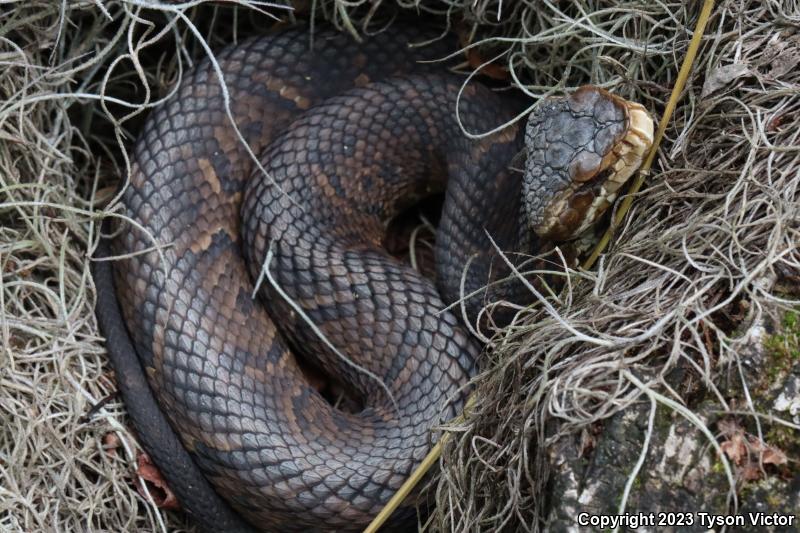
347 139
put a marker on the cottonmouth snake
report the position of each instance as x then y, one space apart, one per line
348 135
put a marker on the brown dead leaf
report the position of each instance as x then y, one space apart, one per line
735 448
773 456
493 70
476 60
769 455
156 485
748 452
111 442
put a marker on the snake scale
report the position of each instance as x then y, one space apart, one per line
341 139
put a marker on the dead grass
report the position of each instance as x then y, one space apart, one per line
689 272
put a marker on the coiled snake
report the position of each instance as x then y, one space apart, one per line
346 137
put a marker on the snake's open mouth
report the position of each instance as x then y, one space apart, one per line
583 149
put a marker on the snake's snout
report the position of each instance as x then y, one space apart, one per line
581 150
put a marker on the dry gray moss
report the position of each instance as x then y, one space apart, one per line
691 278
705 258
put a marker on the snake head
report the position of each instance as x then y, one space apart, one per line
581 150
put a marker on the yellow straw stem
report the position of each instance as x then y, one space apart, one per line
407 487
680 83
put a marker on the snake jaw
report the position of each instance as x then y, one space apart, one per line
581 150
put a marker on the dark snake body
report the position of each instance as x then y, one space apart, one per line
220 363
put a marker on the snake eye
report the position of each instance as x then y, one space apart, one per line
581 150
